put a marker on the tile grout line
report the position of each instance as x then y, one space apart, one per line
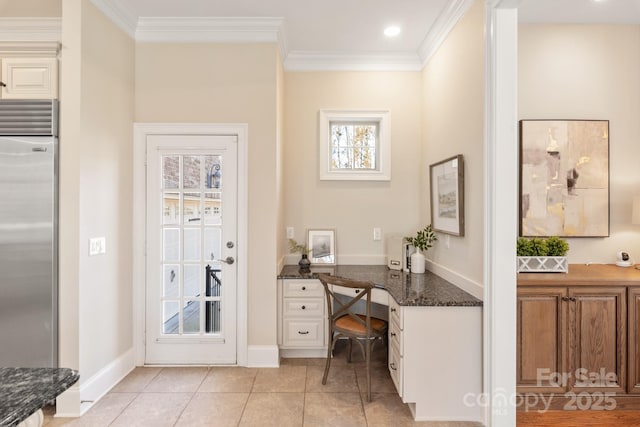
192 395
135 398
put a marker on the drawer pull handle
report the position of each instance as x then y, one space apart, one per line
393 334
303 307
304 288
357 291
303 332
393 366
393 310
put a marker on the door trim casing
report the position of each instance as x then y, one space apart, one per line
140 133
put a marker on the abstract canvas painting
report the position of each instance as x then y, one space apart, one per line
564 178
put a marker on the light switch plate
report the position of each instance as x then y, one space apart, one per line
377 234
290 233
97 246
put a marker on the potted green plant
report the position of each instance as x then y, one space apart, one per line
542 255
422 241
303 250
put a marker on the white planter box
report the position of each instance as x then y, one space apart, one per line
542 264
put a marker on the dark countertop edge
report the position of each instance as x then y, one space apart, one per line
472 302
32 406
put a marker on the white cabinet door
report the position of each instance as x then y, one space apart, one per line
29 78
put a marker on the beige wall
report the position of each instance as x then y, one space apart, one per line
353 208
282 247
217 83
453 120
96 189
590 72
30 8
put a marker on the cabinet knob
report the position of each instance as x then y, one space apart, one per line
303 307
393 334
3 84
304 288
357 291
393 310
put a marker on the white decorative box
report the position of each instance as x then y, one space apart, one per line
542 264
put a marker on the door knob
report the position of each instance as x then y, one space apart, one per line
228 260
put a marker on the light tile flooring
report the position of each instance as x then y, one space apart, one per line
291 395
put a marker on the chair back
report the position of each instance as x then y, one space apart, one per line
339 305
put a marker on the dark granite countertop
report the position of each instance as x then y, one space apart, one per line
407 289
23 391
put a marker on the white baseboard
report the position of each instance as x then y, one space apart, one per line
263 356
460 281
93 389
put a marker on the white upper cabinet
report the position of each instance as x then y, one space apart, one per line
29 70
29 78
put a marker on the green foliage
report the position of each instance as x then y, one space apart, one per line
295 247
536 246
524 247
557 246
424 238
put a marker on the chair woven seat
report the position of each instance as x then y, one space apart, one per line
347 323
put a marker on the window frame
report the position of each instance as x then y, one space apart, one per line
382 118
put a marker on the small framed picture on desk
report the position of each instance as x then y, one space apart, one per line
322 246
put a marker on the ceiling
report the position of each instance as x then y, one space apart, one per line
337 34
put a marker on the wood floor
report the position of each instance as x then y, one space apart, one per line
579 418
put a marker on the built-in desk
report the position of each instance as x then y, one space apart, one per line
435 334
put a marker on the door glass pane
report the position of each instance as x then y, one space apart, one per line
170 171
212 165
171 209
171 318
213 290
191 172
212 245
212 317
192 280
191 244
191 203
212 208
192 317
171 244
171 281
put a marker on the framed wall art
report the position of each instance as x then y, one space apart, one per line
447 195
322 246
564 178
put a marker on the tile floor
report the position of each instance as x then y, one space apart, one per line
292 395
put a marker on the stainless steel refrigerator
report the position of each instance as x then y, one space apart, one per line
28 233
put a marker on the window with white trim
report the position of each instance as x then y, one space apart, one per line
355 145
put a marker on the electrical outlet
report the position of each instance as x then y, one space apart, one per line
290 233
97 246
377 234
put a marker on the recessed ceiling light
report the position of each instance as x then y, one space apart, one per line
391 31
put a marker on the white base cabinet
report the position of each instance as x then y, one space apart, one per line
301 318
435 361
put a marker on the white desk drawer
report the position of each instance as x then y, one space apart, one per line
303 333
303 288
379 296
395 367
395 336
303 307
395 314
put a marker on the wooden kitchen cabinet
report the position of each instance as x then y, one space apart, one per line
579 330
541 341
634 340
571 339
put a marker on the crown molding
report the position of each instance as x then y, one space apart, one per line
31 29
119 14
341 61
441 28
209 30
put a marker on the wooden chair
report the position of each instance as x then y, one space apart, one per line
345 323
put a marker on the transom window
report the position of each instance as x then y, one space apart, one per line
355 145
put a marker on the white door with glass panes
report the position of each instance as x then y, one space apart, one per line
191 249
